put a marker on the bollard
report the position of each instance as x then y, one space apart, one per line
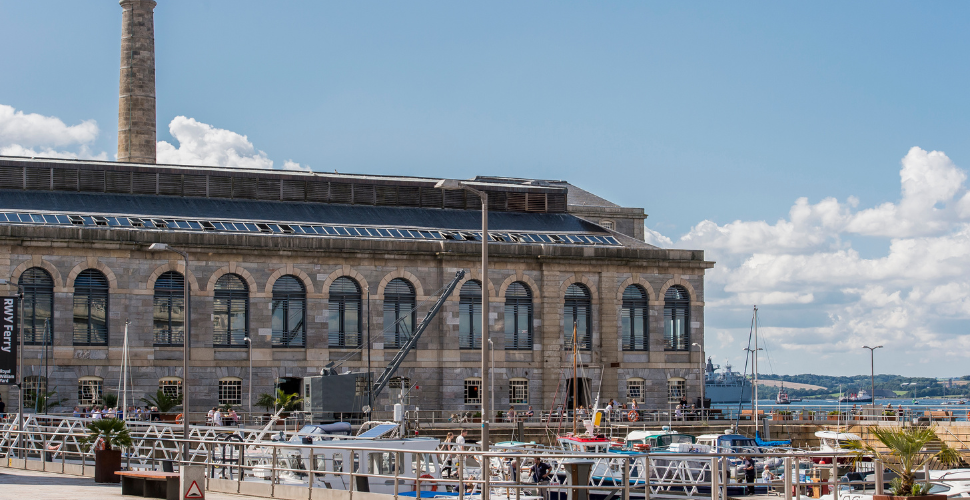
788 474
877 464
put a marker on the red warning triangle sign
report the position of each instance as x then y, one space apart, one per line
194 491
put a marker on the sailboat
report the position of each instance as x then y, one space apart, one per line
754 399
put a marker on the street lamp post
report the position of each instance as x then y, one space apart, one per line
20 346
187 328
452 184
872 371
700 374
249 342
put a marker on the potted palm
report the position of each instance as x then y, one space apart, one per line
906 452
284 401
165 404
107 436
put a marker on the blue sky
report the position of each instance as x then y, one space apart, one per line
715 112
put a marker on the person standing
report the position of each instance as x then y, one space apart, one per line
217 417
749 473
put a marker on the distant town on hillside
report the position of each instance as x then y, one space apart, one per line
887 386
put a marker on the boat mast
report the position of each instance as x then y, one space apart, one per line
756 368
575 381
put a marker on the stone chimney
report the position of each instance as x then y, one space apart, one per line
136 99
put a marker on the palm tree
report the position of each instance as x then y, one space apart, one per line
162 401
288 402
112 431
907 454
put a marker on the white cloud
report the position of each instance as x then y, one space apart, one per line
203 144
292 165
31 134
826 300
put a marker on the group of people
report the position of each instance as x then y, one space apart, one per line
134 413
218 418
514 416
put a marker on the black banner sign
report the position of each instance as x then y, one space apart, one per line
8 341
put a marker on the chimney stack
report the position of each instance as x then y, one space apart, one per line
136 100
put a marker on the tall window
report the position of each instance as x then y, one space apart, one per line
633 319
90 308
470 315
230 391
89 390
345 314
38 305
230 317
35 387
399 303
169 309
289 312
518 316
171 386
577 310
676 390
676 319
634 389
518 391
473 391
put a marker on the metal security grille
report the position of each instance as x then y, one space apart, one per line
289 312
90 308
399 304
230 318
633 319
345 313
168 311
470 315
518 317
38 306
676 319
576 311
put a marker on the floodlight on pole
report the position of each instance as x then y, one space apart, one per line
872 372
454 185
186 335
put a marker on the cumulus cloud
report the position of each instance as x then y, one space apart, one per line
203 144
32 134
827 300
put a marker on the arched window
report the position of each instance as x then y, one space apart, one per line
634 389
633 319
38 306
518 316
399 303
289 312
171 386
230 391
473 391
676 319
90 308
576 311
89 391
470 315
35 392
518 391
169 309
230 316
345 313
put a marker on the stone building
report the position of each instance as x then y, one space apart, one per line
302 263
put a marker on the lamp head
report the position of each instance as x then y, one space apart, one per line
158 247
448 184
4 281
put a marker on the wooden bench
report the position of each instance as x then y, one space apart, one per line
746 414
151 484
940 415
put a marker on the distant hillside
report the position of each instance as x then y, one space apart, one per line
827 386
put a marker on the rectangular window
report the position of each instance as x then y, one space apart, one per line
89 392
230 392
634 390
473 394
676 390
518 392
172 387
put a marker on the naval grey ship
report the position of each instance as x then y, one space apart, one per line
724 385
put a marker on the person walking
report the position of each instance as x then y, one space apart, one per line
749 472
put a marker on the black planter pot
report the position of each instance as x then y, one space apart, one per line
106 463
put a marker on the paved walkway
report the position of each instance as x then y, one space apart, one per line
26 484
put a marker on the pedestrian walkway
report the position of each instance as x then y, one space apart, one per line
19 483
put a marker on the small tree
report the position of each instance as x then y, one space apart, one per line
110 400
111 431
162 401
288 402
907 454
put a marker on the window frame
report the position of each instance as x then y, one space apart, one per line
339 338
32 386
97 382
573 306
225 385
283 338
398 307
522 384
88 293
169 296
166 383
638 382
676 389
513 310
673 305
473 382
33 290
629 308
226 337
467 302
